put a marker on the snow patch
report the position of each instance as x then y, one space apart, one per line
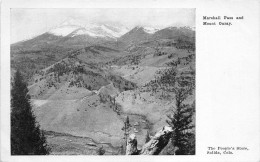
63 31
75 27
86 32
91 29
150 30
110 32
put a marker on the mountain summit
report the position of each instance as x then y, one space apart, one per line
74 28
78 33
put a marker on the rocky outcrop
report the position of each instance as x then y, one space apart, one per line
152 147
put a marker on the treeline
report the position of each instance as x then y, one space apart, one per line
32 61
29 67
184 61
165 79
106 98
158 52
129 59
185 44
121 83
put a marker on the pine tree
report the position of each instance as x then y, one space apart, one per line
183 137
126 129
26 136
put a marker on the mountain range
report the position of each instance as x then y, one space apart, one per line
75 33
84 79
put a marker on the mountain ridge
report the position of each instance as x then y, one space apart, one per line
91 32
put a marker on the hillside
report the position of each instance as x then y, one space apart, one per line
82 87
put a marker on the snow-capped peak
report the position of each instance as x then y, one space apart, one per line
63 30
114 31
150 30
76 27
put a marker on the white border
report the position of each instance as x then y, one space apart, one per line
227 89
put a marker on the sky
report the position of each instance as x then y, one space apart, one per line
27 23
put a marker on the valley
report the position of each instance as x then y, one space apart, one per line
84 85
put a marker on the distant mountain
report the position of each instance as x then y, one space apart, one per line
74 28
144 34
41 40
77 34
175 33
137 34
150 30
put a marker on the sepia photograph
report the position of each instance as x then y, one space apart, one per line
103 81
